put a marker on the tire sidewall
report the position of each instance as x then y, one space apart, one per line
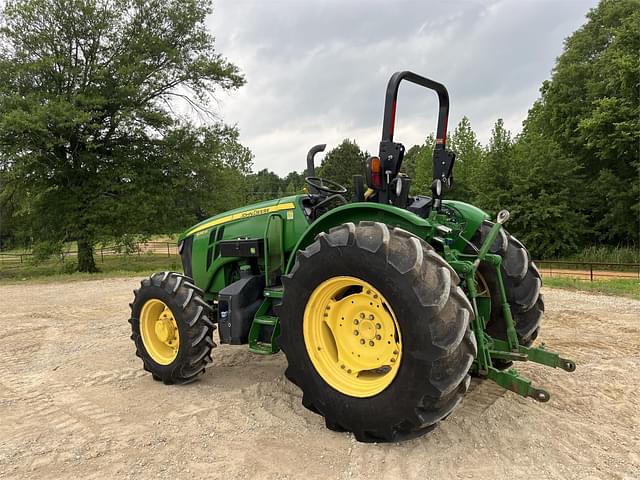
406 390
155 292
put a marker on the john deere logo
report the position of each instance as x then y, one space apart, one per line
255 213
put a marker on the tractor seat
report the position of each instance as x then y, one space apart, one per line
315 205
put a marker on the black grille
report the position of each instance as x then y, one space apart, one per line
185 256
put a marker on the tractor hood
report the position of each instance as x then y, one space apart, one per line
248 211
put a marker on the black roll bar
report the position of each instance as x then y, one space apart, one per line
389 119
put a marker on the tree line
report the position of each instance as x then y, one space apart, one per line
95 142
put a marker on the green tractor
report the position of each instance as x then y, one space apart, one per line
384 305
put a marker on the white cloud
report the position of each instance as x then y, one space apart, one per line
317 71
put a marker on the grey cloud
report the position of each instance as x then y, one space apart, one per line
317 71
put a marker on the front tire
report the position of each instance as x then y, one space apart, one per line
171 329
522 284
398 278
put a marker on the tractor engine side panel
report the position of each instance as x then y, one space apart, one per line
211 271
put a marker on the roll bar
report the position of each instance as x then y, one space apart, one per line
389 119
392 153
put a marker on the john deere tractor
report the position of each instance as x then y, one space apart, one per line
384 304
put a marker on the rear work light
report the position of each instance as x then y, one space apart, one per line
376 173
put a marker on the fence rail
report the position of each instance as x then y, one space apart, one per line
588 270
548 268
167 249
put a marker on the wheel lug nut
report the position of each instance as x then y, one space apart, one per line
349 371
342 366
362 341
362 315
378 337
370 317
356 322
393 360
395 352
378 326
371 343
356 332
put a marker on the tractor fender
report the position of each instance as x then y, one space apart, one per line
358 212
468 215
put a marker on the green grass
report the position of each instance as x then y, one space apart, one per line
113 266
605 254
617 286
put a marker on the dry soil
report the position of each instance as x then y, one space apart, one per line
75 403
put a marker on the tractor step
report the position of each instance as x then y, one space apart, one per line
266 320
261 348
274 292
261 320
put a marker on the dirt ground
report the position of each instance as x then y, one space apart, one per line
75 403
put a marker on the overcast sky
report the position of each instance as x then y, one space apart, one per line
317 70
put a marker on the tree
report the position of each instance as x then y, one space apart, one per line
591 109
494 187
342 163
464 142
421 184
409 161
88 94
544 198
263 185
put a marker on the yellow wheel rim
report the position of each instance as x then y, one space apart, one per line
159 331
352 336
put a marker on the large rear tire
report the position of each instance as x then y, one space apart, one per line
350 285
171 329
522 284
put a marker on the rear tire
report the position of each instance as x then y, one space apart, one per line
522 284
182 359
432 314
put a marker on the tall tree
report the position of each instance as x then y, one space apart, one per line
263 185
591 109
409 161
88 90
464 142
421 183
493 175
545 194
342 163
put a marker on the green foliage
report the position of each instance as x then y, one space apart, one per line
90 146
606 253
591 108
424 167
493 180
464 143
262 185
342 163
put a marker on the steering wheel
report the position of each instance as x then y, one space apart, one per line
326 186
